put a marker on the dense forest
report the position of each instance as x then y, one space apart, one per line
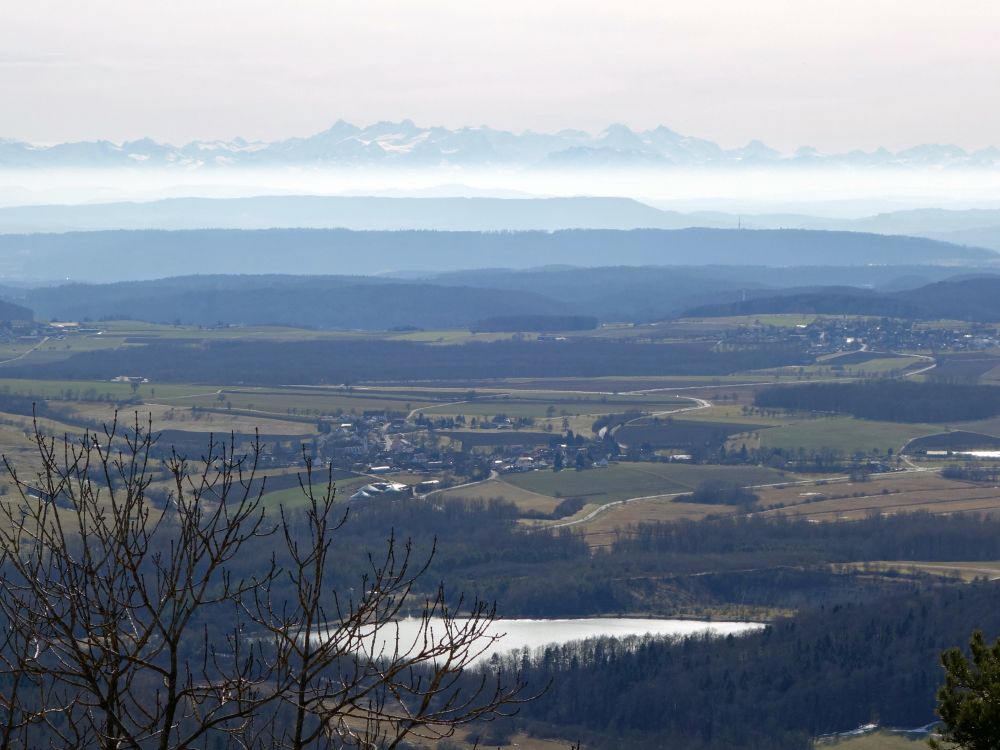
462 298
828 670
865 648
822 302
354 361
888 400
11 312
661 568
343 302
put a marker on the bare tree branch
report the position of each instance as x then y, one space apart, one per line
135 624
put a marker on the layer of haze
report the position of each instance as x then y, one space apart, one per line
834 74
835 193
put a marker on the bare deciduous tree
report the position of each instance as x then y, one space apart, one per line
132 623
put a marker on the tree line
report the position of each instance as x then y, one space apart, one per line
888 400
824 671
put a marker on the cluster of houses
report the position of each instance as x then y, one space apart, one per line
376 440
33 331
834 334
385 444
395 490
827 335
553 458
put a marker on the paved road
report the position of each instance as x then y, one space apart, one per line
25 353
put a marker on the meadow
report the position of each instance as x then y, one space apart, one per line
845 434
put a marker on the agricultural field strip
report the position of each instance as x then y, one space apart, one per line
270 416
604 508
25 353
919 484
216 392
492 477
423 401
418 410
646 391
845 433
805 482
983 426
88 390
530 387
608 506
700 403
622 481
972 569
948 505
544 396
389 395
281 405
921 371
49 425
172 417
759 383
819 367
515 398
511 385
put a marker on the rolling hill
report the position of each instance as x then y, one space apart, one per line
133 255
959 299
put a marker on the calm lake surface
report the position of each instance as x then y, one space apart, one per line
516 634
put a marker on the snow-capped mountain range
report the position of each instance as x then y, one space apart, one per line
407 144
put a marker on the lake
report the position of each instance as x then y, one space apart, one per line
533 634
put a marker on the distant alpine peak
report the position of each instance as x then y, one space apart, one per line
405 143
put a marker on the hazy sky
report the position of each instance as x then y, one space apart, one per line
835 74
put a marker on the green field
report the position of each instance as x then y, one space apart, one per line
874 367
966 571
79 390
881 366
612 385
678 433
53 349
845 434
525 500
783 320
292 401
733 414
428 401
293 497
556 404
